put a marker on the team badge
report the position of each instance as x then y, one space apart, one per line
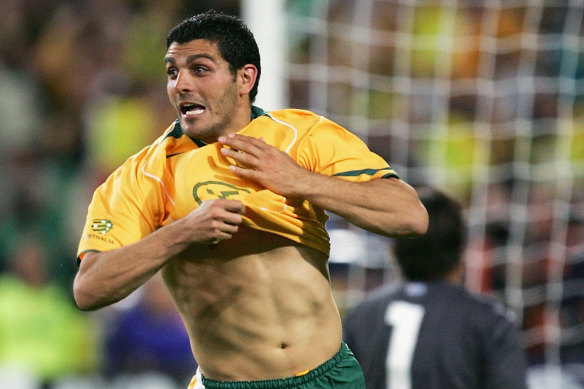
101 226
209 190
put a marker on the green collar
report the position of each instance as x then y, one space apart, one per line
177 131
256 112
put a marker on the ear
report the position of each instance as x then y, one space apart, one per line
247 78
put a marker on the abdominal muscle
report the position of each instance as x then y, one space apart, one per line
257 306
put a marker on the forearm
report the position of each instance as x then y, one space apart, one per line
388 207
385 206
107 277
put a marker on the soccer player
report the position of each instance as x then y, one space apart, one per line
229 205
429 332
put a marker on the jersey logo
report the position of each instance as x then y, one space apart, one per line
209 190
101 225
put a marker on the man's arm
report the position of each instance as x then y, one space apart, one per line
107 277
385 206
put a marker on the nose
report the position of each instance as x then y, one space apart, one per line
183 83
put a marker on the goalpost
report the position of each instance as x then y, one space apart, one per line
484 99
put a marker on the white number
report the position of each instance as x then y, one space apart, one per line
406 319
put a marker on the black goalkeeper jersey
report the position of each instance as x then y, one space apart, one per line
435 335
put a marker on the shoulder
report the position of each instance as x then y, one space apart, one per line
172 141
314 129
303 120
151 160
489 304
375 301
286 128
487 312
294 115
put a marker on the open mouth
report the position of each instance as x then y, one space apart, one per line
190 109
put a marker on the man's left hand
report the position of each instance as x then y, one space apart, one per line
265 164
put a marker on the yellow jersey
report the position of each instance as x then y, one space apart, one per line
174 175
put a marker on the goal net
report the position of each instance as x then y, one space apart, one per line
485 100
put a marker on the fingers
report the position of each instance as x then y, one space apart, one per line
224 231
231 218
255 160
217 220
226 211
248 153
235 206
247 144
246 172
225 228
239 157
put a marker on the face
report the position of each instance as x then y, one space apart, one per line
203 92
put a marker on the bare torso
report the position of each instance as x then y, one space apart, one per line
257 306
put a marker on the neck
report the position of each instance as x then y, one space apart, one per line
241 119
455 275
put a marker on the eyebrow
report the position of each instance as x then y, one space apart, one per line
190 58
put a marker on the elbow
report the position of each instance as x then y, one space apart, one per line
419 221
408 217
88 291
413 223
83 299
83 306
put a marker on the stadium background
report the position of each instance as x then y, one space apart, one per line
482 99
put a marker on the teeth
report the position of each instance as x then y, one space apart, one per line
192 109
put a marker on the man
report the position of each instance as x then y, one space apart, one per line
429 332
229 204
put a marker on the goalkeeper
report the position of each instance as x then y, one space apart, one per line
429 332
229 204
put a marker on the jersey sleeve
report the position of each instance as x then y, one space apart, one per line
331 150
126 207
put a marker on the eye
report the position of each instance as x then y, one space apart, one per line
171 72
200 69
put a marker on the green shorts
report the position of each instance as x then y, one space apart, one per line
341 371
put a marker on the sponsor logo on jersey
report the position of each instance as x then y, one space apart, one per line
100 237
101 226
210 190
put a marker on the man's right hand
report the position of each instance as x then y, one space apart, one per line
213 221
109 276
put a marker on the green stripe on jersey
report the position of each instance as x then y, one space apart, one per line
353 173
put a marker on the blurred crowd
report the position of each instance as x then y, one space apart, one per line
82 87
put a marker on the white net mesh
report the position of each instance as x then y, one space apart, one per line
484 99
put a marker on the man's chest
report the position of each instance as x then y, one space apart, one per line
202 175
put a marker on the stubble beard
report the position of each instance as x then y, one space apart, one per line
215 129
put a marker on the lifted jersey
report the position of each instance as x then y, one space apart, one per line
173 176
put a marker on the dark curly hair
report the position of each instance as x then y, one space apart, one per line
439 251
234 40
